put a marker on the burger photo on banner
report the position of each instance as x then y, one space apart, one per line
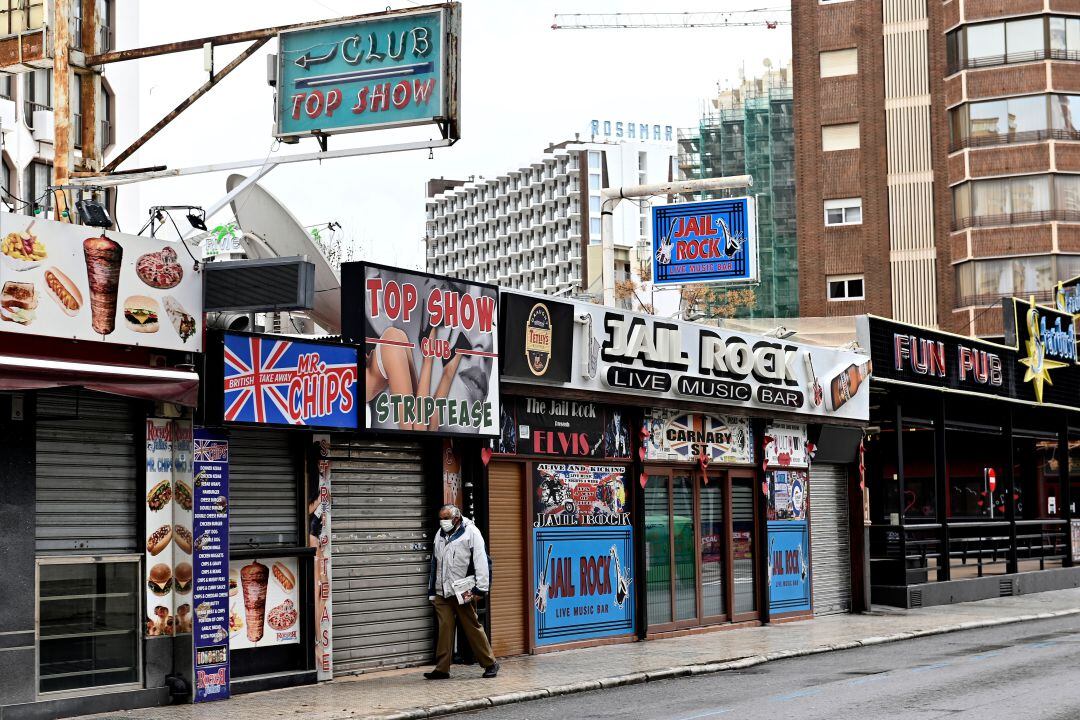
430 350
264 605
168 515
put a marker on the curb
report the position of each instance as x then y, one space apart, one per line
704 668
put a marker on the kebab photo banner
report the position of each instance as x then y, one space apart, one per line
789 566
61 280
583 583
168 512
264 607
210 595
431 361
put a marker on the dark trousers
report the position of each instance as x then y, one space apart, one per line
449 613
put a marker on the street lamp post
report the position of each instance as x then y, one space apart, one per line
610 198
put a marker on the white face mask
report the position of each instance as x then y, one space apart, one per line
447 525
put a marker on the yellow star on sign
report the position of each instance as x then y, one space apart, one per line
1038 367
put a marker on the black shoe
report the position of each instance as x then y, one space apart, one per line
491 671
438 675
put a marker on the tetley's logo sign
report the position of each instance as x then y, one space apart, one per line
651 357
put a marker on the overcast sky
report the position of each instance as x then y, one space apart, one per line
523 85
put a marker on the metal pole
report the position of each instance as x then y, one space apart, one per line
63 141
115 180
610 198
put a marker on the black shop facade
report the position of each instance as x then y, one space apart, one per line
643 467
973 459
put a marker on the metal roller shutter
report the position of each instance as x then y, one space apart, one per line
830 544
382 553
263 487
88 478
506 545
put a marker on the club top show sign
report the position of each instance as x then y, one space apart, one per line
391 69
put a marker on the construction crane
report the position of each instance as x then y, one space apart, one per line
769 18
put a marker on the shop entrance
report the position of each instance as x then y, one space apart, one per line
699 548
507 543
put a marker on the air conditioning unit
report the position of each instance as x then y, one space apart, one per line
7 114
44 126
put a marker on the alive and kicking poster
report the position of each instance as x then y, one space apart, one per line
582 553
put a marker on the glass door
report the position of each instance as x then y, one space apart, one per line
699 549
742 537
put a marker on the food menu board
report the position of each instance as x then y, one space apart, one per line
62 280
210 595
264 607
168 506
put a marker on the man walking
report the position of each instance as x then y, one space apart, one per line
457 553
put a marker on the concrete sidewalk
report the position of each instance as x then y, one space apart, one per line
405 694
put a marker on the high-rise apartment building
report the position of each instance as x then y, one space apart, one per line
537 227
748 130
936 156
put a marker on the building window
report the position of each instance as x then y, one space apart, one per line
17 16
594 204
76 109
38 94
982 282
5 87
594 181
594 231
843 212
1013 41
1029 198
89 627
845 287
38 177
840 137
594 160
1019 119
835 63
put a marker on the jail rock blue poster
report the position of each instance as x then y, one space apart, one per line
583 580
789 566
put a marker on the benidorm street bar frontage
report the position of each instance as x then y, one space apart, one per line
973 460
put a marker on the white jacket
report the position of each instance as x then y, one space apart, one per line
451 557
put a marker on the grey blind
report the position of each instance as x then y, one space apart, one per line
89 484
830 544
263 489
381 543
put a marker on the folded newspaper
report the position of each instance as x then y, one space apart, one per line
463 589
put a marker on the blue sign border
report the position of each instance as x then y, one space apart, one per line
738 215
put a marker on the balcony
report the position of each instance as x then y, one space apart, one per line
1020 218
1045 297
1030 136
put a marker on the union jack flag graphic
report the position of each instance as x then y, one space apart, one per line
285 382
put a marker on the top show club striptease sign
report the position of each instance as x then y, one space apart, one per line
430 349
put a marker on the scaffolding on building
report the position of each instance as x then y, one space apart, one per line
750 131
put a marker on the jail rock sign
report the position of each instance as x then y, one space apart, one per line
389 69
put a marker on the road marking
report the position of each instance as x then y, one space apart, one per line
795 695
708 713
1040 645
867 679
935 666
984 656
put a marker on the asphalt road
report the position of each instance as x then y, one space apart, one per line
1026 671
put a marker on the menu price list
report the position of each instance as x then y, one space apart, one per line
211 561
